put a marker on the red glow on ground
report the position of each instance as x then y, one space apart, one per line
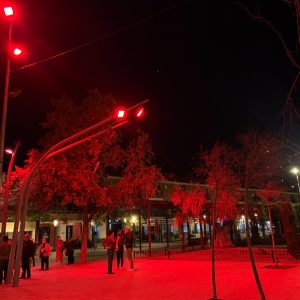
155 279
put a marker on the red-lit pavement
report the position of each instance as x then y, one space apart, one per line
156 279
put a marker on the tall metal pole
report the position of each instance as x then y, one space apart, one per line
6 191
5 98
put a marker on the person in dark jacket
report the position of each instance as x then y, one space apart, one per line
109 244
4 257
27 254
70 251
129 247
120 249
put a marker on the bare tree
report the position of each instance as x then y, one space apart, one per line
217 166
289 9
258 158
270 195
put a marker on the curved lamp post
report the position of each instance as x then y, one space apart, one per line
22 204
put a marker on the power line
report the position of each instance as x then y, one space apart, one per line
103 37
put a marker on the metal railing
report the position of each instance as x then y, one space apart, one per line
226 254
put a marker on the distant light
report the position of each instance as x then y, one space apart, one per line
295 171
17 51
55 223
121 113
9 151
8 11
140 112
204 216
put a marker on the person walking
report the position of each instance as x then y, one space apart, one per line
120 249
27 254
109 244
129 247
59 249
44 253
4 258
70 251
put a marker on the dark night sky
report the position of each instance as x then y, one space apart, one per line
207 77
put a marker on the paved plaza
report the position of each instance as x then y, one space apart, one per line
156 279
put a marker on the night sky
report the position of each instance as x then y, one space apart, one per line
207 76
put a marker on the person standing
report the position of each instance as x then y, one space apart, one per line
59 249
70 251
44 253
4 257
120 249
27 254
129 247
109 244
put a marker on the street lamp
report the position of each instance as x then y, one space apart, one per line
7 187
21 211
9 13
296 172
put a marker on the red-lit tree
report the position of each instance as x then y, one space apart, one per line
76 177
270 195
190 203
217 167
139 175
258 161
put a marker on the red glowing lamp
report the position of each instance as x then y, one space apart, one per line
8 151
8 11
121 113
140 112
17 51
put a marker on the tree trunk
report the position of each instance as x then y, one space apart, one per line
84 238
251 256
188 232
212 243
182 235
222 236
275 260
201 234
37 230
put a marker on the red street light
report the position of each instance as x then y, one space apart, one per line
9 151
140 112
121 113
8 11
17 51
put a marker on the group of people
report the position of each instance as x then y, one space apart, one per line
123 241
116 244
